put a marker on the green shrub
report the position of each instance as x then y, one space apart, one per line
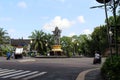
69 54
111 68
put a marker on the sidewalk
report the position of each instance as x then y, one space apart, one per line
24 59
90 74
93 75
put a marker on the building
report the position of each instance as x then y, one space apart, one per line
20 42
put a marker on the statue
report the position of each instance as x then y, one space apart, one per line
56 34
56 48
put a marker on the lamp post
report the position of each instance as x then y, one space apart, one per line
46 45
106 14
110 38
108 26
103 1
114 4
73 40
31 45
77 48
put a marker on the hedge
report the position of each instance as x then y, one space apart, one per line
111 68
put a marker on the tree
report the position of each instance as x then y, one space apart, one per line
39 38
99 39
41 41
4 42
111 20
49 41
76 44
4 38
67 45
84 44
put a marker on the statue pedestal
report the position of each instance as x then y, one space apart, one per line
56 50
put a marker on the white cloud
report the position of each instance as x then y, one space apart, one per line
72 34
22 4
11 31
81 19
87 31
59 22
6 19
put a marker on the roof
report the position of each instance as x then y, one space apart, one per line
20 42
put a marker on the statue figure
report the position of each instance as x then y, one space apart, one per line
56 34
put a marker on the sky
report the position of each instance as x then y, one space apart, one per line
73 17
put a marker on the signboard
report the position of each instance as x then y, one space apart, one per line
18 50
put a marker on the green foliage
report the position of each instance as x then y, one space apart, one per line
99 39
66 44
41 41
112 20
85 44
69 54
75 44
111 68
5 48
4 38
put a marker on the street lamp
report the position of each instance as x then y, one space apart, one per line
31 41
31 45
103 1
110 34
106 14
46 45
114 4
73 40
108 26
77 48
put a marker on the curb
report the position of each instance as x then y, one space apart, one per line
81 76
26 60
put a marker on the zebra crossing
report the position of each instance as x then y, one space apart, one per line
19 74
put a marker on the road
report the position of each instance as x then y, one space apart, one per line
44 68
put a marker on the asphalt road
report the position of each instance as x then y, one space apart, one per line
44 68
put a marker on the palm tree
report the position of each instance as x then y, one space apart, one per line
112 20
49 41
4 38
38 38
41 41
4 41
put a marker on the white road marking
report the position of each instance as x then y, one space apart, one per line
3 69
33 76
17 77
10 72
6 71
26 60
19 74
15 74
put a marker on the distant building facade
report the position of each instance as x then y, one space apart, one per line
20 42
